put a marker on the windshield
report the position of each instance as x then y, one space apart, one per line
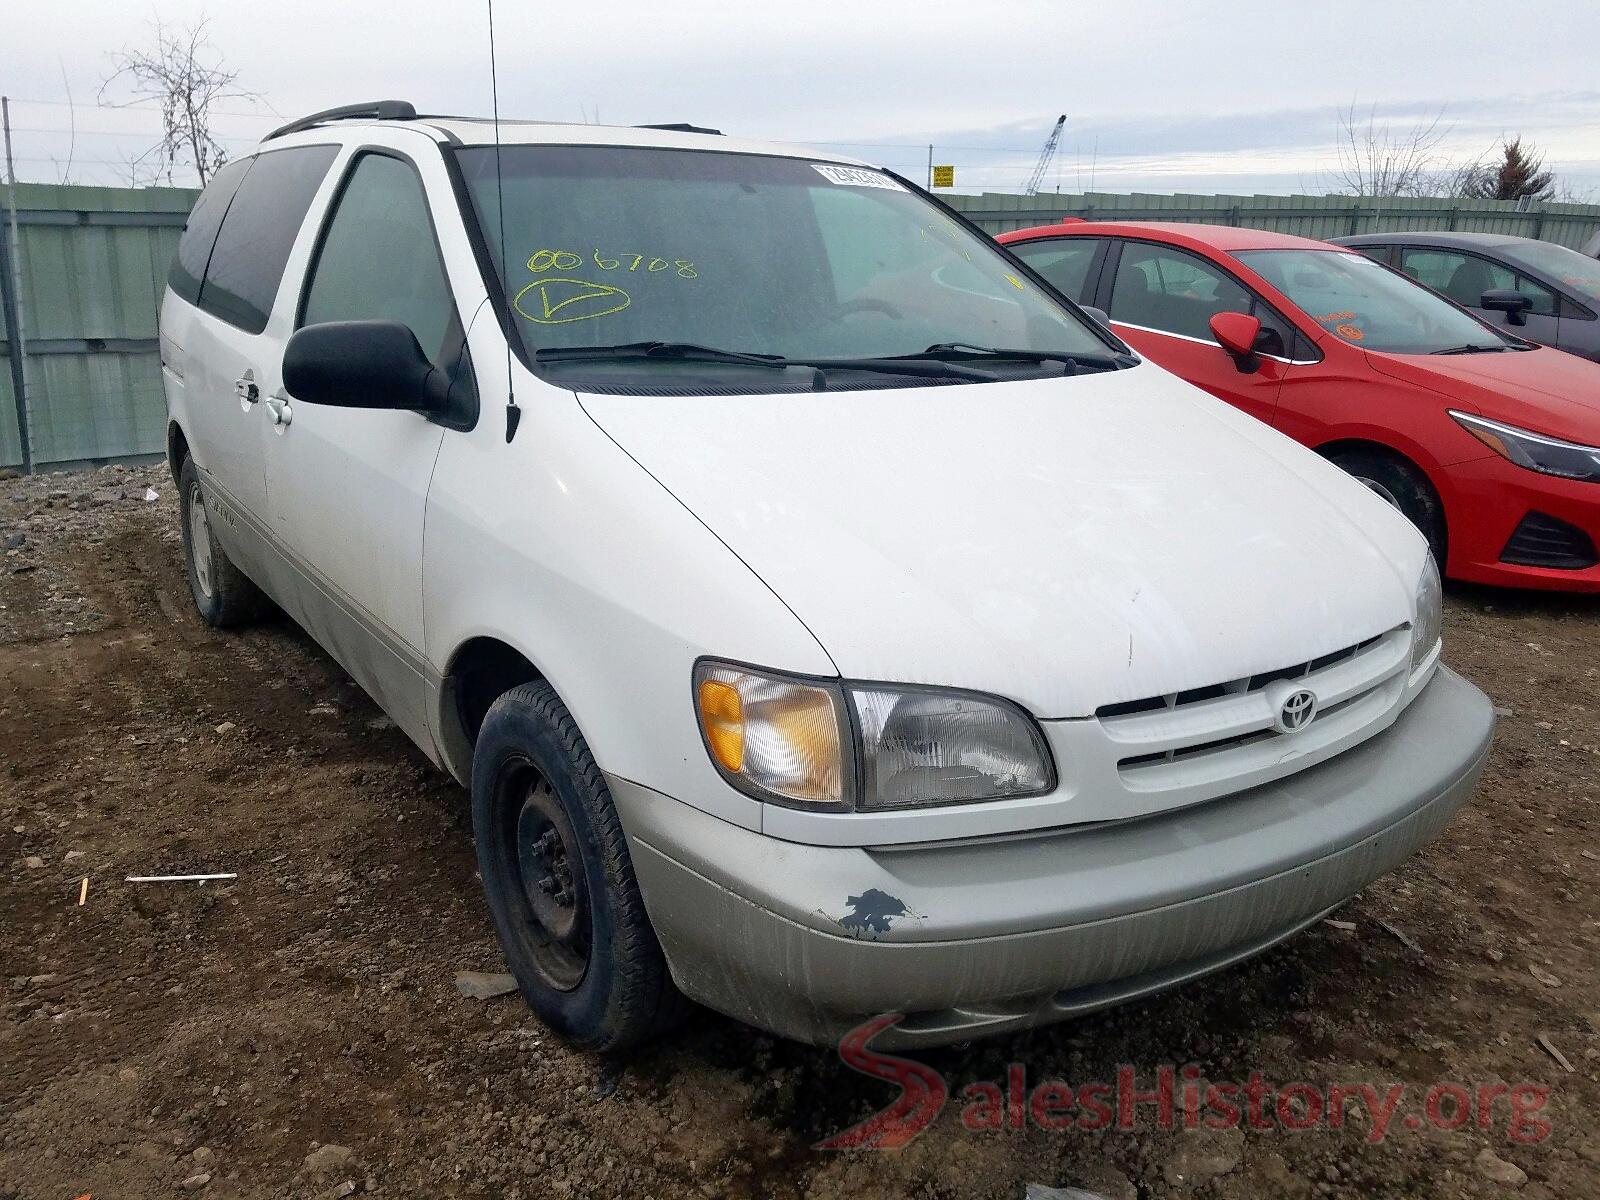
1577 271
612 246
1369 305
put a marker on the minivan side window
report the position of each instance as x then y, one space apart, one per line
200 230
1064 262
246 267
378 259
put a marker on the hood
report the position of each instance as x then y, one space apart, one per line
1544 390
1065 542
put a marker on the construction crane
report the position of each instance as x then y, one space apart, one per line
1031 188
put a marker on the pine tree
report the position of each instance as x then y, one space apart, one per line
1520 172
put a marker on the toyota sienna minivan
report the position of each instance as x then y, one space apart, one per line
828 617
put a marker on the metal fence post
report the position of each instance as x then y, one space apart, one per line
11 297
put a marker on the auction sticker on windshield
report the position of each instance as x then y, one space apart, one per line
856 177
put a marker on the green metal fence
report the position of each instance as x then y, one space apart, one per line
93 264
1307 216
94 261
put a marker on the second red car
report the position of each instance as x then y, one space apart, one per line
1487 442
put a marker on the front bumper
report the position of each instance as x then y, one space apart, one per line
1489 497
973 938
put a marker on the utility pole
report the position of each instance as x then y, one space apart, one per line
11 297
930 166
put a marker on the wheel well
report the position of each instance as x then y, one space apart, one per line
177 449
484 669
1333 451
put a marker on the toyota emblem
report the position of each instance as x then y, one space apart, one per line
1297 711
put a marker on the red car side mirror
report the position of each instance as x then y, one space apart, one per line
1237 334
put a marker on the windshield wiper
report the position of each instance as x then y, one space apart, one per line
693 352
907 364
686 351
1471 348
1093 360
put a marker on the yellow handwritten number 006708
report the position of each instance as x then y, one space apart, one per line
566 260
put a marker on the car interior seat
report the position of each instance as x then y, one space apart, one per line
1469 282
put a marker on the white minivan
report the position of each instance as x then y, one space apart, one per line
829 618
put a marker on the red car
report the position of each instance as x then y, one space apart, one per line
1487 442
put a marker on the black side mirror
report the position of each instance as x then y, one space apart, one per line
1509 301
1099 314
363 364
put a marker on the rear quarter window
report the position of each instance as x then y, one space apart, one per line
1065 262
200 230
270 205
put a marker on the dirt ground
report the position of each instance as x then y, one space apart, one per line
296 1032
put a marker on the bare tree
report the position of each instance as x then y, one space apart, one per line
183 73
137 169
1376 159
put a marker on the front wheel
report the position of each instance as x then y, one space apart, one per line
559 880
1401 485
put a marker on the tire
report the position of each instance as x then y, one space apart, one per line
559 880
223 594
1403 485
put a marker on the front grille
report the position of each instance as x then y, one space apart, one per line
1541 540
1229 730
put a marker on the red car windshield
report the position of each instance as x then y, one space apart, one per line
1369 305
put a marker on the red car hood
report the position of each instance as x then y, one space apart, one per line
1545 391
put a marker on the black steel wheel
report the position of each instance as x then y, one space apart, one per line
559 880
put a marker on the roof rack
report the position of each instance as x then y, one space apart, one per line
372 110
682 127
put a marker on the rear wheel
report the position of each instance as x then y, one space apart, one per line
1402 485
559 880
222 593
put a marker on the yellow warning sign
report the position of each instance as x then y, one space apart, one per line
944 176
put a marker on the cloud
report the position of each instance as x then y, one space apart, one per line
1160 95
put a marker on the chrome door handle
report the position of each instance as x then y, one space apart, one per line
246 390
279 410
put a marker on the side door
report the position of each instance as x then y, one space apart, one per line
1161 300
349 486
215 429
1465 277
1580 329
230 357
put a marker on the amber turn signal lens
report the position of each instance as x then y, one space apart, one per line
722 717
773 737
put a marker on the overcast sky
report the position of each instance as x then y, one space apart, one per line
1160 95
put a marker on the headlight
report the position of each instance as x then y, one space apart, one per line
772 737
932 746
1535 451
1426 629
834 744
